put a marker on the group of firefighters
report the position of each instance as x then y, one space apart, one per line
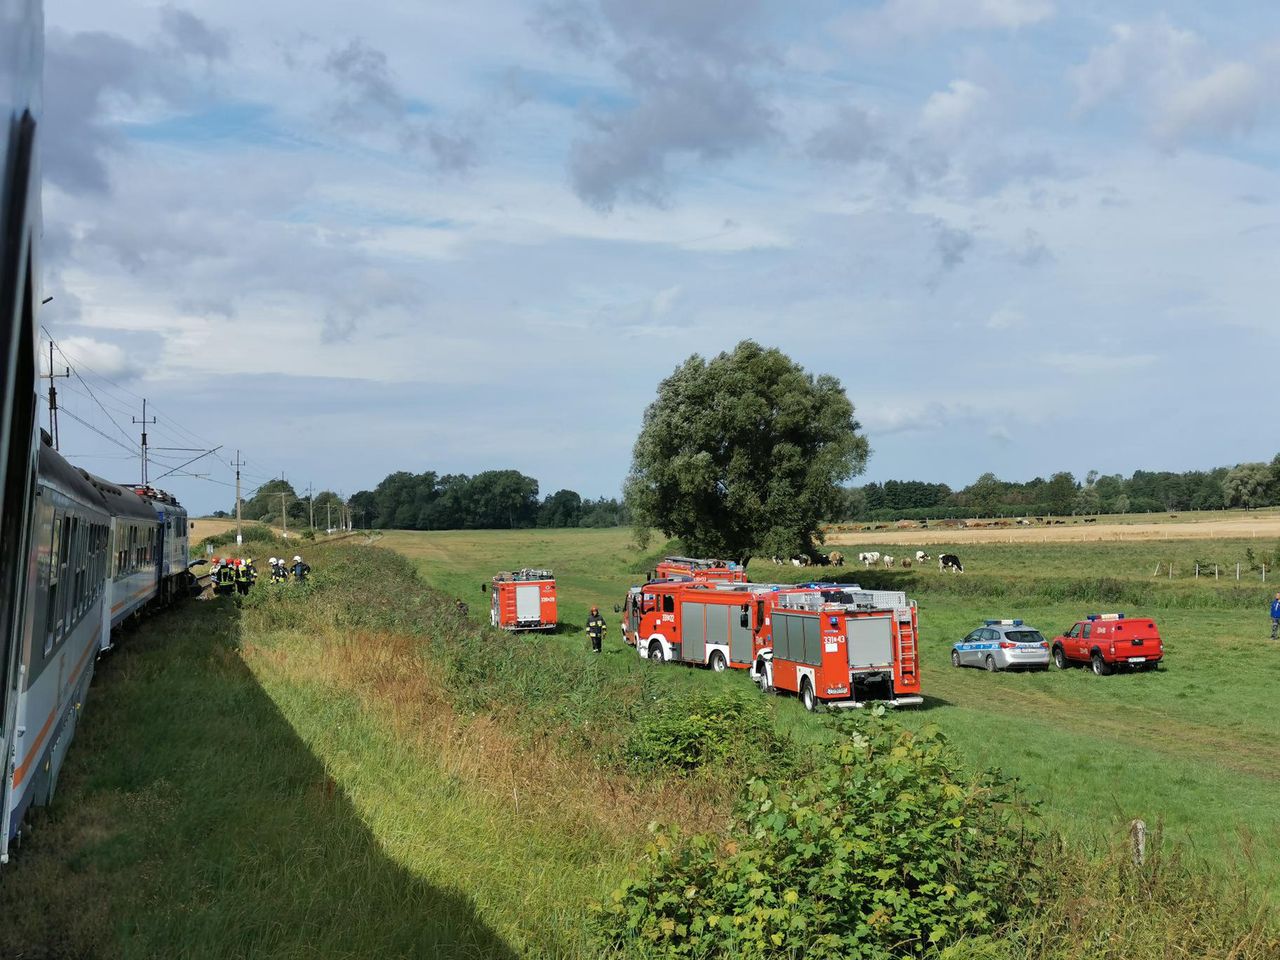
238 574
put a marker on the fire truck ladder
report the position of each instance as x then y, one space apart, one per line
907 641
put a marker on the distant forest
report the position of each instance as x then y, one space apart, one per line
507 499
1248 485
492 500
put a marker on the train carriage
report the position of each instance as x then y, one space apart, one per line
67 621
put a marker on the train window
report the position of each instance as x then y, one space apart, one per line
51 613
77 581
64 569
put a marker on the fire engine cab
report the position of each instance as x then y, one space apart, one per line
523 600
842 647
719 571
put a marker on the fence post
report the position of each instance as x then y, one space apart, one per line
1197 571
1215 571
1237 571
1171 571
1138 841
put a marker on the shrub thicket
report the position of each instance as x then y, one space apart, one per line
694 731
890 848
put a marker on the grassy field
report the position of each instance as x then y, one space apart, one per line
350 769
1193 745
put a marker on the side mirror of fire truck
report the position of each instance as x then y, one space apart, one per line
744 618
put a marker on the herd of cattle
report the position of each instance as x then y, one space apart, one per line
947 562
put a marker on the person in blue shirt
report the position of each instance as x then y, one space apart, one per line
1275 616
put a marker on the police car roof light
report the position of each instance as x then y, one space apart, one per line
1004 623
1105 616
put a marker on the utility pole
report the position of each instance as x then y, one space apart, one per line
53 396
144 422
311 506
328 516
284 515
238 464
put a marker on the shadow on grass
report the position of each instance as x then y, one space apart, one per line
192 821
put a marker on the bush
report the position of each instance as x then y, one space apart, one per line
889 849
694 731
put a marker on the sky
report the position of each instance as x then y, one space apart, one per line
347 239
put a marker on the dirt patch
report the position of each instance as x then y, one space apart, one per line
1262 526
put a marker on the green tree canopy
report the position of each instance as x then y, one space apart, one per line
1247 485
744 454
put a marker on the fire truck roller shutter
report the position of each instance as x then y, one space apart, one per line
812 641
740 645
718 623
797 638
870 641
693 635
528 603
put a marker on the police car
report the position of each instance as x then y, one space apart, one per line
1002 645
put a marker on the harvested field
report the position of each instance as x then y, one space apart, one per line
1233 527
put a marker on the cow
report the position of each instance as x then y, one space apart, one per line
906 563
949 561
799 561
888 560
835 558
869 559
922 557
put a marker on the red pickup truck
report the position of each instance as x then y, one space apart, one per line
1107 641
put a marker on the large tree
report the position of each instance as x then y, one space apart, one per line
743 455
1246 485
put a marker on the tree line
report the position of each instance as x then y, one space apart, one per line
491 500
1246 485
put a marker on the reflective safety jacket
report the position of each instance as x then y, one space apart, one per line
596 626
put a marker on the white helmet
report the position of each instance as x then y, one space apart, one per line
297 559
273 560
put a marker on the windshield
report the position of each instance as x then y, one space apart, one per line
1024 636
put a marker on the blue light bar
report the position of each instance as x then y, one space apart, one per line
1004 623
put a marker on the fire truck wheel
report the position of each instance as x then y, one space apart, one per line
955 658
990 663
1100 667
717 661
1059 658
806 696
655 652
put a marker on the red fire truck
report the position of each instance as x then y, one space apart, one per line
711 624
721 571
842 646
523 600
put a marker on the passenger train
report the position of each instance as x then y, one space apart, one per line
78 555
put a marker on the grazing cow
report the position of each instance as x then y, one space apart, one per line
1090 519
799 561
1024 522
922 557
888 560
870 558
906 563
835 558
949 561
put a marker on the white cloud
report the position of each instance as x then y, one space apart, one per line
1006 318
951 114
107 359
1223 103
1178 87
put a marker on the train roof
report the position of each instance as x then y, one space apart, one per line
121 501
55 468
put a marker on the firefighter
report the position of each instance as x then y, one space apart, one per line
595 629
1275 616
242 577
227 577
462 608
300 570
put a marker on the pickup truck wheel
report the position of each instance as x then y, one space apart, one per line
990 663
655 652
717 661
1100 667
1059 658
955 658
807 698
